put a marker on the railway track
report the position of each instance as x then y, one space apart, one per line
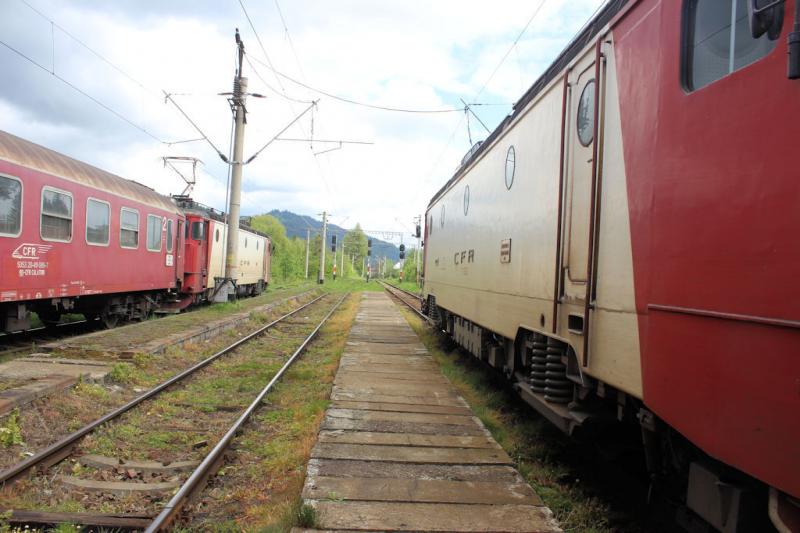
409 299
158 517
12 344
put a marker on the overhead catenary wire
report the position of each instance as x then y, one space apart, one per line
168 97
87 95
511 48
269 65
94 52
356 102
273 139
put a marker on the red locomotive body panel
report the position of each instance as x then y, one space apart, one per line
37 268
713 198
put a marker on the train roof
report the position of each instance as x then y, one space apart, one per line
30 155
578 43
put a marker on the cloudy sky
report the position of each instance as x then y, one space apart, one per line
411 54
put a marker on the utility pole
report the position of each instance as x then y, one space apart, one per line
232 248
341 269
308 243
321 276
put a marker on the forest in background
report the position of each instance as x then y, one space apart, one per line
289 255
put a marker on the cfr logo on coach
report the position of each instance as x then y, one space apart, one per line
464 256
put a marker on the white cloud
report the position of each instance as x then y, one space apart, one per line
403 53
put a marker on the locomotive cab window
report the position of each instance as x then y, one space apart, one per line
718 42
98 222
198 231
128 228
10 206
56 221
169 236
154 233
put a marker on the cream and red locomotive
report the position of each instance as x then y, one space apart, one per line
76 239
628 238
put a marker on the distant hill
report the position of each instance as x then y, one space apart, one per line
296 226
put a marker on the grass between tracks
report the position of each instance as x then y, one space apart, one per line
259 488
48 418
531 442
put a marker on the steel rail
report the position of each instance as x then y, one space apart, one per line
60 449
416 295
206 468
388 287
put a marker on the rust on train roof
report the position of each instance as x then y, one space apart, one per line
30 155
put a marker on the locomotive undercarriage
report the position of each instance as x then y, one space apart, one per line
703 494
109 310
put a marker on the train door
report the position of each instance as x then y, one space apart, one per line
580 152
196 260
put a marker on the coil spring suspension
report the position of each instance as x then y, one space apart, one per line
538 377
558 389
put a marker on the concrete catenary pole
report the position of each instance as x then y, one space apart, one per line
321 276
341 269
308 244
232 248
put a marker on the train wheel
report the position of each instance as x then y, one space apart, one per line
108 320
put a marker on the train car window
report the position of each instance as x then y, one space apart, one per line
511 166
128 228
10 206
154 233
198 231
466 200
169 236
585 118
718 42
56 222
98 222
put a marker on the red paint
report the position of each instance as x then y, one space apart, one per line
714 199
198 255
77 268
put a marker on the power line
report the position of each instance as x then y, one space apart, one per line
283 89
87 95
89 48
356 102
513 45
289 38
203 136
270 87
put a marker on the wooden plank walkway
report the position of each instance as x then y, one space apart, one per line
400 450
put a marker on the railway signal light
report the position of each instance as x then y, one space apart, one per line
402 251
333 243
418 232
369 247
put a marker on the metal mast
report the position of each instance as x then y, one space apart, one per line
321 275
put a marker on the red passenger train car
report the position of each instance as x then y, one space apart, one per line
626 243
74 238
77 239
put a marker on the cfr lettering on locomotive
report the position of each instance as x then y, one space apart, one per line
464 256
